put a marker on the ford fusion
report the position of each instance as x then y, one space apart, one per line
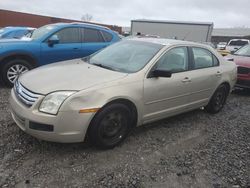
128 84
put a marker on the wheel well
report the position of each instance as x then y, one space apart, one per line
227 86
130 105
28 58
126 102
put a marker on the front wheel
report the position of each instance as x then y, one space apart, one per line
110 126
218 99
12 69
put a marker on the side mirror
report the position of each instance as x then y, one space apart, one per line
53 40
161 73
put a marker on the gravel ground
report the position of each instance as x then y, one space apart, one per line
195 149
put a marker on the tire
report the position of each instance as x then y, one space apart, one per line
12 69
218 99
110 126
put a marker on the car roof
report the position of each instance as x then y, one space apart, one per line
80 24
17 28
163 41
239 40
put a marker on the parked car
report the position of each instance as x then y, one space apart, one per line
235 44
221 45
224 52
49 44
15 32
130 83
242 59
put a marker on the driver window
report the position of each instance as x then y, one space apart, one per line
174 60
68 35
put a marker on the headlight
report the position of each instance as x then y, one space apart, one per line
52 102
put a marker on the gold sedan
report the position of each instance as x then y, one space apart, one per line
128 84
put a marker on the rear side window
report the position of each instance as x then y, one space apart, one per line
9 35
216 61
20 33
107 36
202 58
68 35
92 35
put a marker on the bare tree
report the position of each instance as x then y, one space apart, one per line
87 17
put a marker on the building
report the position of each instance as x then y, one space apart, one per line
12 18
181 30
226 34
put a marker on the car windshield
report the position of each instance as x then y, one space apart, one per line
125 56
238 43
244 51
42 31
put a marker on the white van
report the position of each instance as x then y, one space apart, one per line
235 44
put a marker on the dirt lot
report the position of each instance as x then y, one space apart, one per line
191 150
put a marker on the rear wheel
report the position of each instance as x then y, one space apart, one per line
110 126
218 99
12 69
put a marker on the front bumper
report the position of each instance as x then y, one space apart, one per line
68 127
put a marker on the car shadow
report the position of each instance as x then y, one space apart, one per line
242 92
168 123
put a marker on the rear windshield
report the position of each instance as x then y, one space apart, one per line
238 43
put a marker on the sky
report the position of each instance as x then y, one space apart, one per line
223 13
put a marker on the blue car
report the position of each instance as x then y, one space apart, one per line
49 44
15 32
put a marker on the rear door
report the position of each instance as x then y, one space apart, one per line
204 76
69 46
167 96
92 41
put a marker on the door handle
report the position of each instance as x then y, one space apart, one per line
186 79
218 74
75 48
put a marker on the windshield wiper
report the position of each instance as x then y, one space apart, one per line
103 66
86 59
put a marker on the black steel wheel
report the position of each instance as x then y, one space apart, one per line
218 99
110 126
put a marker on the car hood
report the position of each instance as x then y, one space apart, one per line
240 60
67 75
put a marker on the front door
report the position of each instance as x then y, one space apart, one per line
68 47
164 97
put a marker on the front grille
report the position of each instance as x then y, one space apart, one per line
26 96
243 70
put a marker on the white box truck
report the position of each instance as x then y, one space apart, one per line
190 31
